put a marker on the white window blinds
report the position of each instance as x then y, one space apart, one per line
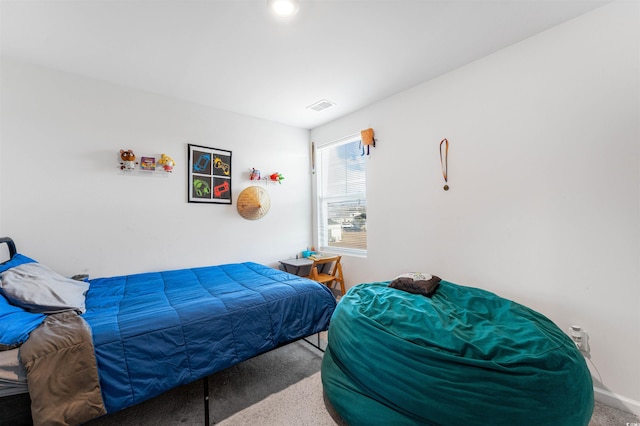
342 201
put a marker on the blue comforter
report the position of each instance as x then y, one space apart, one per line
155 331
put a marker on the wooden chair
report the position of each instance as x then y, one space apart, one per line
332 275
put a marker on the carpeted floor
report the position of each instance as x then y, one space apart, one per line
281 387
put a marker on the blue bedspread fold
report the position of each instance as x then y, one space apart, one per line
155 331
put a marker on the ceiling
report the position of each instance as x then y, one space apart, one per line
236 56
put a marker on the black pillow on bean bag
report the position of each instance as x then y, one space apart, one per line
416 283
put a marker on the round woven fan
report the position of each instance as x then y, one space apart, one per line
253 203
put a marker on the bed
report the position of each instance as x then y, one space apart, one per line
461 356
154 331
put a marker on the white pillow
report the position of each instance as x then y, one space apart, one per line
36 288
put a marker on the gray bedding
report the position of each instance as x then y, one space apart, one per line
62 375
37 288
13 378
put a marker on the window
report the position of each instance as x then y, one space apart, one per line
341 197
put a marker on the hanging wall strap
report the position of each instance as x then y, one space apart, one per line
444 163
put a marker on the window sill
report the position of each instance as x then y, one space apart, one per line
344 251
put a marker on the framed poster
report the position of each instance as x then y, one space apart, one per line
209 179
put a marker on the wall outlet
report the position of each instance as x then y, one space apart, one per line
580 338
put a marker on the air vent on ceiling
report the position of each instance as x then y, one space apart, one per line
320 105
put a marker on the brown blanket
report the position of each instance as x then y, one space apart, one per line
62 375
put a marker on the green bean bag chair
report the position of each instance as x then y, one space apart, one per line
463 356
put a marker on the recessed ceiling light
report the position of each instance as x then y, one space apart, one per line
284 8
320 105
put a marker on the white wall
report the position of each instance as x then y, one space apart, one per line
544 165
66 204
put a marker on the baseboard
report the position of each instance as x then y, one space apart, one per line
617 401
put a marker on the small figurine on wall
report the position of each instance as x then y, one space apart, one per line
128 160
276 177
167 163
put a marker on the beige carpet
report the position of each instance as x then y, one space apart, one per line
302 404
607 416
